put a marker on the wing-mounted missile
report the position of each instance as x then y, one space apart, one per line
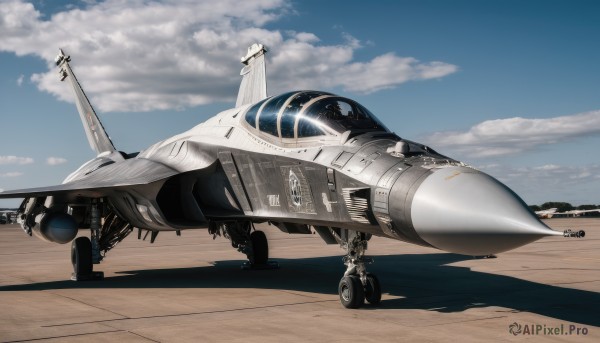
96 135
49 224
29 209
254 76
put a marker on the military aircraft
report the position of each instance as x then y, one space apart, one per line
301 161
577 213
552 212
546 214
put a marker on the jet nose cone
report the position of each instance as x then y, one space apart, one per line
465 211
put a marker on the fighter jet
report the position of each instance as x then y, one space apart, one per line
546 214
304 161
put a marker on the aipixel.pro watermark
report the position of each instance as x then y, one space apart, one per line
547 330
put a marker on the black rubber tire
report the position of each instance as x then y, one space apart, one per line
351 291
260 247
81 256
373 290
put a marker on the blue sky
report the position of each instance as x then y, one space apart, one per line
511 87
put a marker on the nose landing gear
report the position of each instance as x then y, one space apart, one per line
357 285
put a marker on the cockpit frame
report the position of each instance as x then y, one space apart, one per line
300 114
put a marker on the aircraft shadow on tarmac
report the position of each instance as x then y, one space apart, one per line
417 281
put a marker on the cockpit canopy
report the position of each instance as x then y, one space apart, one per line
303 114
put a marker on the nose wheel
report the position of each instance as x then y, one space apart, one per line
357 285
352 293
373 289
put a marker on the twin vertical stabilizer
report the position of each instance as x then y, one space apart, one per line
96 135
252 89
254 79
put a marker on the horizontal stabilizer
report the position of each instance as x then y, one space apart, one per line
96 135
254 76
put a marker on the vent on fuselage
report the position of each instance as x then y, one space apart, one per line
357 204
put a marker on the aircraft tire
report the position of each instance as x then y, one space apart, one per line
373 290
260 247
81 256
351 291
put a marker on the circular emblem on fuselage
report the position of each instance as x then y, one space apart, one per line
295 191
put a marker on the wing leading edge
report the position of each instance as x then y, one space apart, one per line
103 181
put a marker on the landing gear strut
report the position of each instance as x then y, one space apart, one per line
252 243
85 252
357 285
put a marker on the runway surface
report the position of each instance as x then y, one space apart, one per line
191 288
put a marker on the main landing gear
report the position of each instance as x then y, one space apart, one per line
260 248
252 243
85 252
81 258
357 285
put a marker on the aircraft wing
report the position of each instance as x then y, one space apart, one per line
102 181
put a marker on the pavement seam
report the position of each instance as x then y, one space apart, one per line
64 336
84 303
144 337
191 314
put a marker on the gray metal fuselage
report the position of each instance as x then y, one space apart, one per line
226 172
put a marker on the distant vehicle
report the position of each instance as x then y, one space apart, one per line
303 161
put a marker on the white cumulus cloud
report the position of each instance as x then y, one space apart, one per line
11 159
550 182
11 174
55 160
20 80
516 135
142 55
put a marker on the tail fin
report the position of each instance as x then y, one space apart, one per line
254 76
96 135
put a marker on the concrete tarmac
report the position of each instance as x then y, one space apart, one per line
192 289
